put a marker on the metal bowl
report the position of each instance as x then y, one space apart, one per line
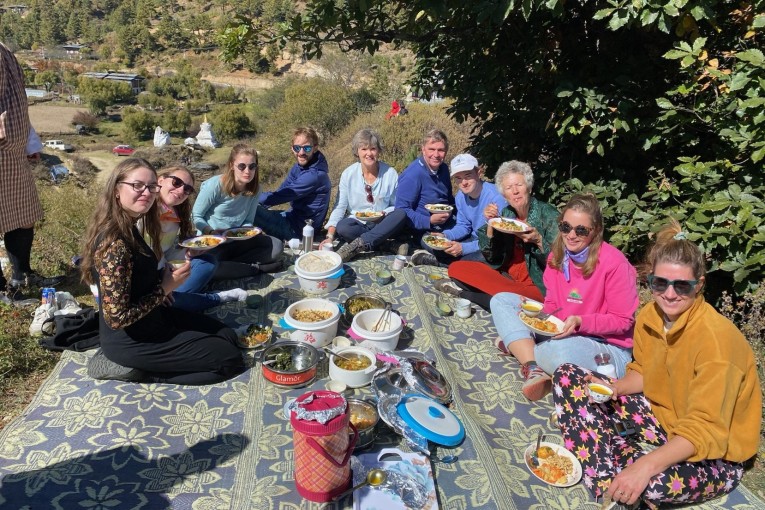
364 416
304 362
370 302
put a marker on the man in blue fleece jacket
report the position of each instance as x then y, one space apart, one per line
307 189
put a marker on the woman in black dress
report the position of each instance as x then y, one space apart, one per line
137 331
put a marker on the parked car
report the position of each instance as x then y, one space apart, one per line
58 145
123 150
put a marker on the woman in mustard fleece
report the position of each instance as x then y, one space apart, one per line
687 414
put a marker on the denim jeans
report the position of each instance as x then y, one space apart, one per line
188 296
444 259
372 233
275 224
550 353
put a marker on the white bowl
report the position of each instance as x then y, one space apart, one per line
353 378
318 333
329 257
600 393
384 340
531 307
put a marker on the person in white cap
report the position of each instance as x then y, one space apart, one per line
472 199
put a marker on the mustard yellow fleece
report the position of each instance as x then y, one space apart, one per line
701 380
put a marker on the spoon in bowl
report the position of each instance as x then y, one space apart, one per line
375 478
534 458
333 353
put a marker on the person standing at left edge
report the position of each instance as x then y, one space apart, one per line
20 207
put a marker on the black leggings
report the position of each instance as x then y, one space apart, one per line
474 295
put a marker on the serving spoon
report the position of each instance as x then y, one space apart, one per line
375 478
333 353
534 458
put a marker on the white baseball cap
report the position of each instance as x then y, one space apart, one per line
462 163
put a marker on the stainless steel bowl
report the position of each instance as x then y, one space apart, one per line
364 412
371 299
304 359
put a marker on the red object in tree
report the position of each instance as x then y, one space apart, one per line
394 109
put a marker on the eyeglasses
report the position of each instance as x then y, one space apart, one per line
370 197
306 148
682 287
242 166
580 230
177 182
141 186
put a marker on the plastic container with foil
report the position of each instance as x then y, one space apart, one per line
317 333
320 422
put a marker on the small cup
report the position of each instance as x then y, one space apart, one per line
462 308
530 308
327 247
600 393
336 386
399 263
383 277
176 263
442 308
341 341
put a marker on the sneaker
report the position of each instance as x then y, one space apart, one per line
499 344
66 304
13 296
227 296
36 280
537 385
448 286
100 367
350 250
423 257
395 247
42 314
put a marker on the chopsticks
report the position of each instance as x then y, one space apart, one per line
383 321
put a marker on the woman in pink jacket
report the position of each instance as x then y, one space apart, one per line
591 287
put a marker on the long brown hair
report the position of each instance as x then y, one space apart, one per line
672 247
110 222
227 181
584 203
182 210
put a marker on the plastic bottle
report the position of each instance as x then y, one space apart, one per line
308 236
605 367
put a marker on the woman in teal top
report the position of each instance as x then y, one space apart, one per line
229 201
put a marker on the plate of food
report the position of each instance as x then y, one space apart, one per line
509 225
369 215
549 326
256 336
437 242
439 208
202 243
241 233
557 466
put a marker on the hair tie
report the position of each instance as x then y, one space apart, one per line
680 236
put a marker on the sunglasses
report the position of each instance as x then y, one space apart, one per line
242 166
141 186
370 197
177 182
306 148
580 230
682 287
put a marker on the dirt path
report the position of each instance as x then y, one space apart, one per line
105 161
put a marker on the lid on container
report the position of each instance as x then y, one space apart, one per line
319 413
431 420
426 379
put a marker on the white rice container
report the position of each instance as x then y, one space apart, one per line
353 378
323 281
318 333
384 340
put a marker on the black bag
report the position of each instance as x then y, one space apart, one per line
73 332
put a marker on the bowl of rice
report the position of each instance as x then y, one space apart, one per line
319 272
313 321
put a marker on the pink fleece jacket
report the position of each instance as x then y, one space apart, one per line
606 301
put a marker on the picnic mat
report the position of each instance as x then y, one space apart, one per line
86 444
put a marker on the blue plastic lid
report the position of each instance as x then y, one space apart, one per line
431 420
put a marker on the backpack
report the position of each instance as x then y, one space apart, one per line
73 332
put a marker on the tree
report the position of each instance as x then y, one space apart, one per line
231 122
657 106
138 125
100 94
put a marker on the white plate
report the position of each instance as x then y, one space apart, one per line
189 243
378 215
230 231
427 240
552 318
494 222
446 208
571 479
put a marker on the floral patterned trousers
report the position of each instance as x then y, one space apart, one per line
589 433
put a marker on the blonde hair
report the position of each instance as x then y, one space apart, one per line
672 248
110 222
227 180
182 210
585 203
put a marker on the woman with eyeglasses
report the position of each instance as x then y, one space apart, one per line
142 340
515 260
177 186
229 201
590 286
369 185
306 188
691 394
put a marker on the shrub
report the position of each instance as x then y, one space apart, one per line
138 124
86 119
230 122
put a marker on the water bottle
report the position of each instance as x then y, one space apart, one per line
308 236
605 367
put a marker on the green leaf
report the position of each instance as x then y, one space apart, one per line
603 13
664 103
755 57
739 81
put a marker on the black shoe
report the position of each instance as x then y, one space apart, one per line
423 257
12 296
102 368
395 247
36 280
